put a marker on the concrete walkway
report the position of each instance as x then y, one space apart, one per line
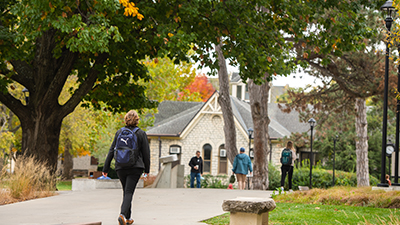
150 207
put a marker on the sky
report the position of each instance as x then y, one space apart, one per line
294 80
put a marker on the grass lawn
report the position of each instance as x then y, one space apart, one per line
64 185
294 213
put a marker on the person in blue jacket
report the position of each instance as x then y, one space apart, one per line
241 166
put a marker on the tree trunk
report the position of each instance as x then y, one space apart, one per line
362 143
40 137
259 111
224 101
68 161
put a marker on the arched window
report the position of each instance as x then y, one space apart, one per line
223 160
207 158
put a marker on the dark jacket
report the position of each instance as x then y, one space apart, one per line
144 152
196 162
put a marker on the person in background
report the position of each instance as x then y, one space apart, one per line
129 177
388 180
288 168
196 171
241 166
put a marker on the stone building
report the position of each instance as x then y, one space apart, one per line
182 128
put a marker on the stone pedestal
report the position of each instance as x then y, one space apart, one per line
169 177
249 211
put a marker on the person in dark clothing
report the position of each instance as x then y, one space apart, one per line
288 169
196 163
129 177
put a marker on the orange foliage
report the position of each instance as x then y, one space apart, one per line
200 85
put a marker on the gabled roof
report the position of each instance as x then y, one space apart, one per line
174 117
235 77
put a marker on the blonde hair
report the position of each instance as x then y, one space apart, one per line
289 145
131 118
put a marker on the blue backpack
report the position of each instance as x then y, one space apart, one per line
126 151
286 158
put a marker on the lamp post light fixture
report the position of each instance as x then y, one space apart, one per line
312 124
250 131
26 94
388 8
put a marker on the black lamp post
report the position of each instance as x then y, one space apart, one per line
387 7
312 124
397 144
26 94
334 152
250 131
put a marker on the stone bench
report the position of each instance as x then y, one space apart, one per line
249 211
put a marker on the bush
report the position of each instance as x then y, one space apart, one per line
321 178
210 181
31 179
274 177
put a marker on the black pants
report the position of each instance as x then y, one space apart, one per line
129 179
284 170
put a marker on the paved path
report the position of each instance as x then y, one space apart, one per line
150 207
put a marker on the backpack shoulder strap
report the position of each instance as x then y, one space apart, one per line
135 129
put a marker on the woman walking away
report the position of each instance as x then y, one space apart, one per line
241 166
130 150
287 159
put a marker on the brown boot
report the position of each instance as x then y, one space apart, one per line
122 220
130 221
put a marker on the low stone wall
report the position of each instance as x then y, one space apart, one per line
91 184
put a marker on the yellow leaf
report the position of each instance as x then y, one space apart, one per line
119 94
170 34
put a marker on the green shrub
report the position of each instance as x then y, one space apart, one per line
274 177
219 181
210 181
321 178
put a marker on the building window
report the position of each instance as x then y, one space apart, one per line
239 92
93 161
207 158
246 93
223 161
175 150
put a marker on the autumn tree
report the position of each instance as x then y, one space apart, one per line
259 37
101 42
200 86
355 75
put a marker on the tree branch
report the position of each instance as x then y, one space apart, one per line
63 71
85 87
24 74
